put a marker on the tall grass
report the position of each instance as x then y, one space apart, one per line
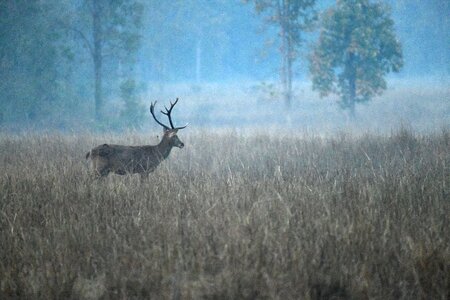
230 216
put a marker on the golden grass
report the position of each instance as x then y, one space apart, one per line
229 217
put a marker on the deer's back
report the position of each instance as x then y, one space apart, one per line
123 159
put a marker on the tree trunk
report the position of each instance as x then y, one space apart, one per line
351 71
97 57
352 96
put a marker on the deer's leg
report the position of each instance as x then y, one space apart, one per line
101 168
102 173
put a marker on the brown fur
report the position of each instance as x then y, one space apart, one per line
121 159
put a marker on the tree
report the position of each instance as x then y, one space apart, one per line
109 30
29 59
133 113
357 47
293 17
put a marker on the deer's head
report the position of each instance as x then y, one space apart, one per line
169 133
172 138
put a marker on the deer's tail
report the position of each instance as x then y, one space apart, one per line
88 154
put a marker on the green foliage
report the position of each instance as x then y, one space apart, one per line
115 36
357 47
28 59
132 115
121 22
46 50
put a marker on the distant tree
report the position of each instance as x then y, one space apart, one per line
109 30
293 17
132 114
357 47
29 60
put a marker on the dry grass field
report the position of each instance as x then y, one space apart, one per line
230 216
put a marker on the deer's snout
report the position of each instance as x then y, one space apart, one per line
178 143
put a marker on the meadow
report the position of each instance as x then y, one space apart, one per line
230 216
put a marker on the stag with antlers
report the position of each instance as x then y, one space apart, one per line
123 160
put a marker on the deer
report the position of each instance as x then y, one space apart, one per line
122 160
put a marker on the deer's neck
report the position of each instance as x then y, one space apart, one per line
164 148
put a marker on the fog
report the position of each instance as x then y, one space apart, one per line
79 65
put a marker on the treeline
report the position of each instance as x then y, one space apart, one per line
63 62
56 56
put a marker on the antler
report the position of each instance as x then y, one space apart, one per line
152 111
168 114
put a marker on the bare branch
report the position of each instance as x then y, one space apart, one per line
81 35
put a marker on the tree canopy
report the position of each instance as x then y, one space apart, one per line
357 47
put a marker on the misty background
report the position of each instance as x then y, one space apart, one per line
96 65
